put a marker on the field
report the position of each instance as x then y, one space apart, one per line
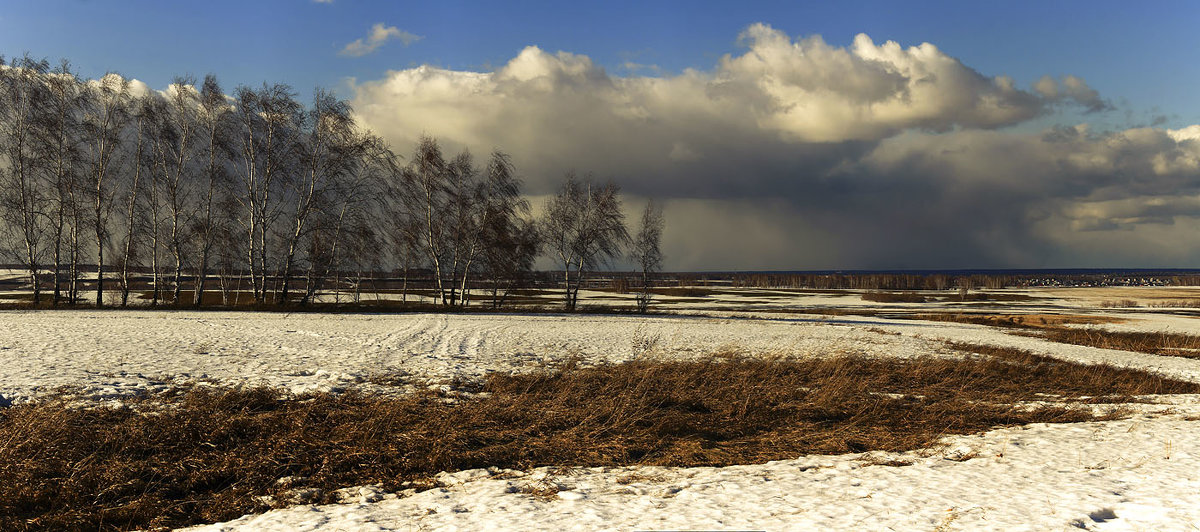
1038 409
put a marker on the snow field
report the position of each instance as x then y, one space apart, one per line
113 353
1141 473
1136 474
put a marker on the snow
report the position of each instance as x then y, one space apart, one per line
111 353
1136 474
1141 473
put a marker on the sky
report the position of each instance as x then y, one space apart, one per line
779 135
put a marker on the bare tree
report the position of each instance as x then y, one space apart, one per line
178 176
227 251
23 200
156 113
214 117
405 224
494 212
646 253
507 240
104 122
348 235
449 210
59 132
143 127
462 222
425 193
332 150
583 227
269 119
314 197
508 256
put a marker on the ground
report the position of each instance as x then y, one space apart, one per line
1138 473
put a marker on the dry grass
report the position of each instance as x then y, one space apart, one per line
1054 327
878 296
1175 303
988 296
1074 380
881 296
203 455
1157 343
1019 321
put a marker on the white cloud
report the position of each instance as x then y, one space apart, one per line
1072 89
376 37
804 90
1187 133
870 155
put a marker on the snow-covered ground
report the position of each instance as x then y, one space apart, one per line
112 353
1137 474
109 354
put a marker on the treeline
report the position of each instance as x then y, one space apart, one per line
941 281
194 192
870 281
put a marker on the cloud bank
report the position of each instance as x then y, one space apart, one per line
376 37
798 154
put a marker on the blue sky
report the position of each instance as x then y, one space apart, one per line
1142 57
794 153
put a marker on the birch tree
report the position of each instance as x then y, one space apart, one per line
349 235
23 201
59 139
104 121
426 196
143 122
583 228
331 150
646 251
268 118
507 241
214 116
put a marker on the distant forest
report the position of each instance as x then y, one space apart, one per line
194 196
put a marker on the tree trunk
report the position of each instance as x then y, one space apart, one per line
289 261
73 287
99 247
60 224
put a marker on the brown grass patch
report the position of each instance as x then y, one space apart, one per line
203 455
819 311
1021 321
1053 327
1156 343
878 296
1075 380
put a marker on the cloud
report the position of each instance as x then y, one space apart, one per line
322 1
1072 89
376 37
798 154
